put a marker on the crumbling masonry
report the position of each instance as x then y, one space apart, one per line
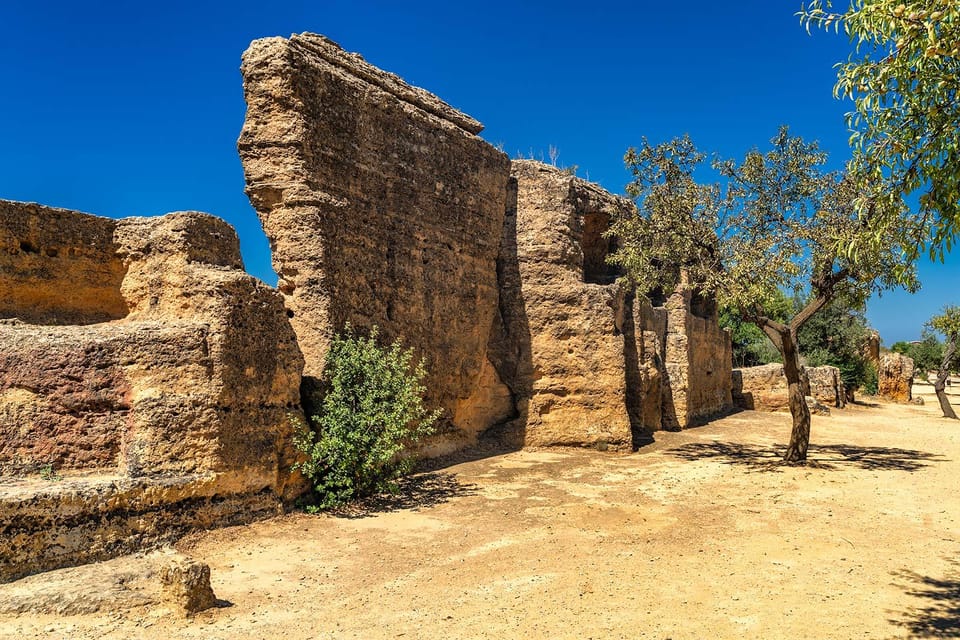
139 362
383 207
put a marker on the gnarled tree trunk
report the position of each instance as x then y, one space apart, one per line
940 384
784 338
800 435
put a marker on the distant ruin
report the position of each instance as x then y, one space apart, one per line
764 387
895 373
140 361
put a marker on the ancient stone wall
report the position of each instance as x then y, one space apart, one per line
58 269
826 386
604 369
187 395
764 387
566 354
382 207
697 358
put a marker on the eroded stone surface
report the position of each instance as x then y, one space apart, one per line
186 586
764 388
561 343
588 363
382 207
895 377
826 386
192 387
57 268
697 357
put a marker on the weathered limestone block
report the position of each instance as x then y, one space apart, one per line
382 207
185 586
697 357
57 268
871 349
895 377
826 386
189 380
764 388
567 354
589 363
60 522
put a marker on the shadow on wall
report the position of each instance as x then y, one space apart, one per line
509 349
640 432
939 617
829 457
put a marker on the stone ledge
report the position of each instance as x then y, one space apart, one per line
49 524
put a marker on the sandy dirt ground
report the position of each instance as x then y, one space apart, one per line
695 536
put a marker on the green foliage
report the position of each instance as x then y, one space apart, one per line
947 322
926 354
836 336
779 226
47 472
903 77
871 381
371 413
750 346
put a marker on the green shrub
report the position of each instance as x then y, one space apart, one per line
372 411
871 382
835 336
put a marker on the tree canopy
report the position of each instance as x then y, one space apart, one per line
903 77
777 225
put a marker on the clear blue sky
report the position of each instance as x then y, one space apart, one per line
133 108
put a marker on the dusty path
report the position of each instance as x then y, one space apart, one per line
692 538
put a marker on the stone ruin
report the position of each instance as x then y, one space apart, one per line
382 207
895 373
141 363
764 387
587 363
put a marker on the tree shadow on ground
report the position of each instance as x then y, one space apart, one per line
939 617
830 456
420 491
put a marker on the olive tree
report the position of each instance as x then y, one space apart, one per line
903 77
778 224
947 323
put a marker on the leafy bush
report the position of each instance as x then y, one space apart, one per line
751 347
836 336
871 382
371 412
